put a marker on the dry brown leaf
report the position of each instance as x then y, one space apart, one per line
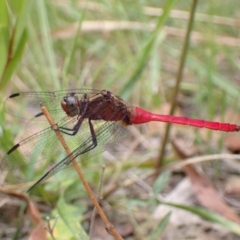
232 143
39 233
204 191
233 186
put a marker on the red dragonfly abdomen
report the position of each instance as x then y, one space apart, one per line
139 116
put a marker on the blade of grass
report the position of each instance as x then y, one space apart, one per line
14 61
17 42
209 216
159 163
217 80
160 227
4 33
70 58
161 182
144 54
48 44
23 9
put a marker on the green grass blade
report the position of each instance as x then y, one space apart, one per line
10 68
70 58
160 227
161 182
144 55
4 35
209 216
47 44
12 49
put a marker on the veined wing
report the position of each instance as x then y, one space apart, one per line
42 145
107 134
26 105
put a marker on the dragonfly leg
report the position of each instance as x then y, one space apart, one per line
94 138
71 131
68 159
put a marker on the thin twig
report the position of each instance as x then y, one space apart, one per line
159 161
179 14
98 198
50 228
109 227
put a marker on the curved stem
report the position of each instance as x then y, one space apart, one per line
159 161
109 227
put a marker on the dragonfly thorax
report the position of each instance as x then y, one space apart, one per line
70 105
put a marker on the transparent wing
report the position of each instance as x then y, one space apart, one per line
42 145
26 105
108 134
45 145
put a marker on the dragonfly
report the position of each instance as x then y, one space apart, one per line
90 121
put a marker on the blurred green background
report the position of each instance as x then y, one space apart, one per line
132 49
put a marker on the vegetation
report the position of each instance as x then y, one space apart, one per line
132 48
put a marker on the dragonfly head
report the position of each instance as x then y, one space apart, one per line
70 105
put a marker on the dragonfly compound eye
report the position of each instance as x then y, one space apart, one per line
70 105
